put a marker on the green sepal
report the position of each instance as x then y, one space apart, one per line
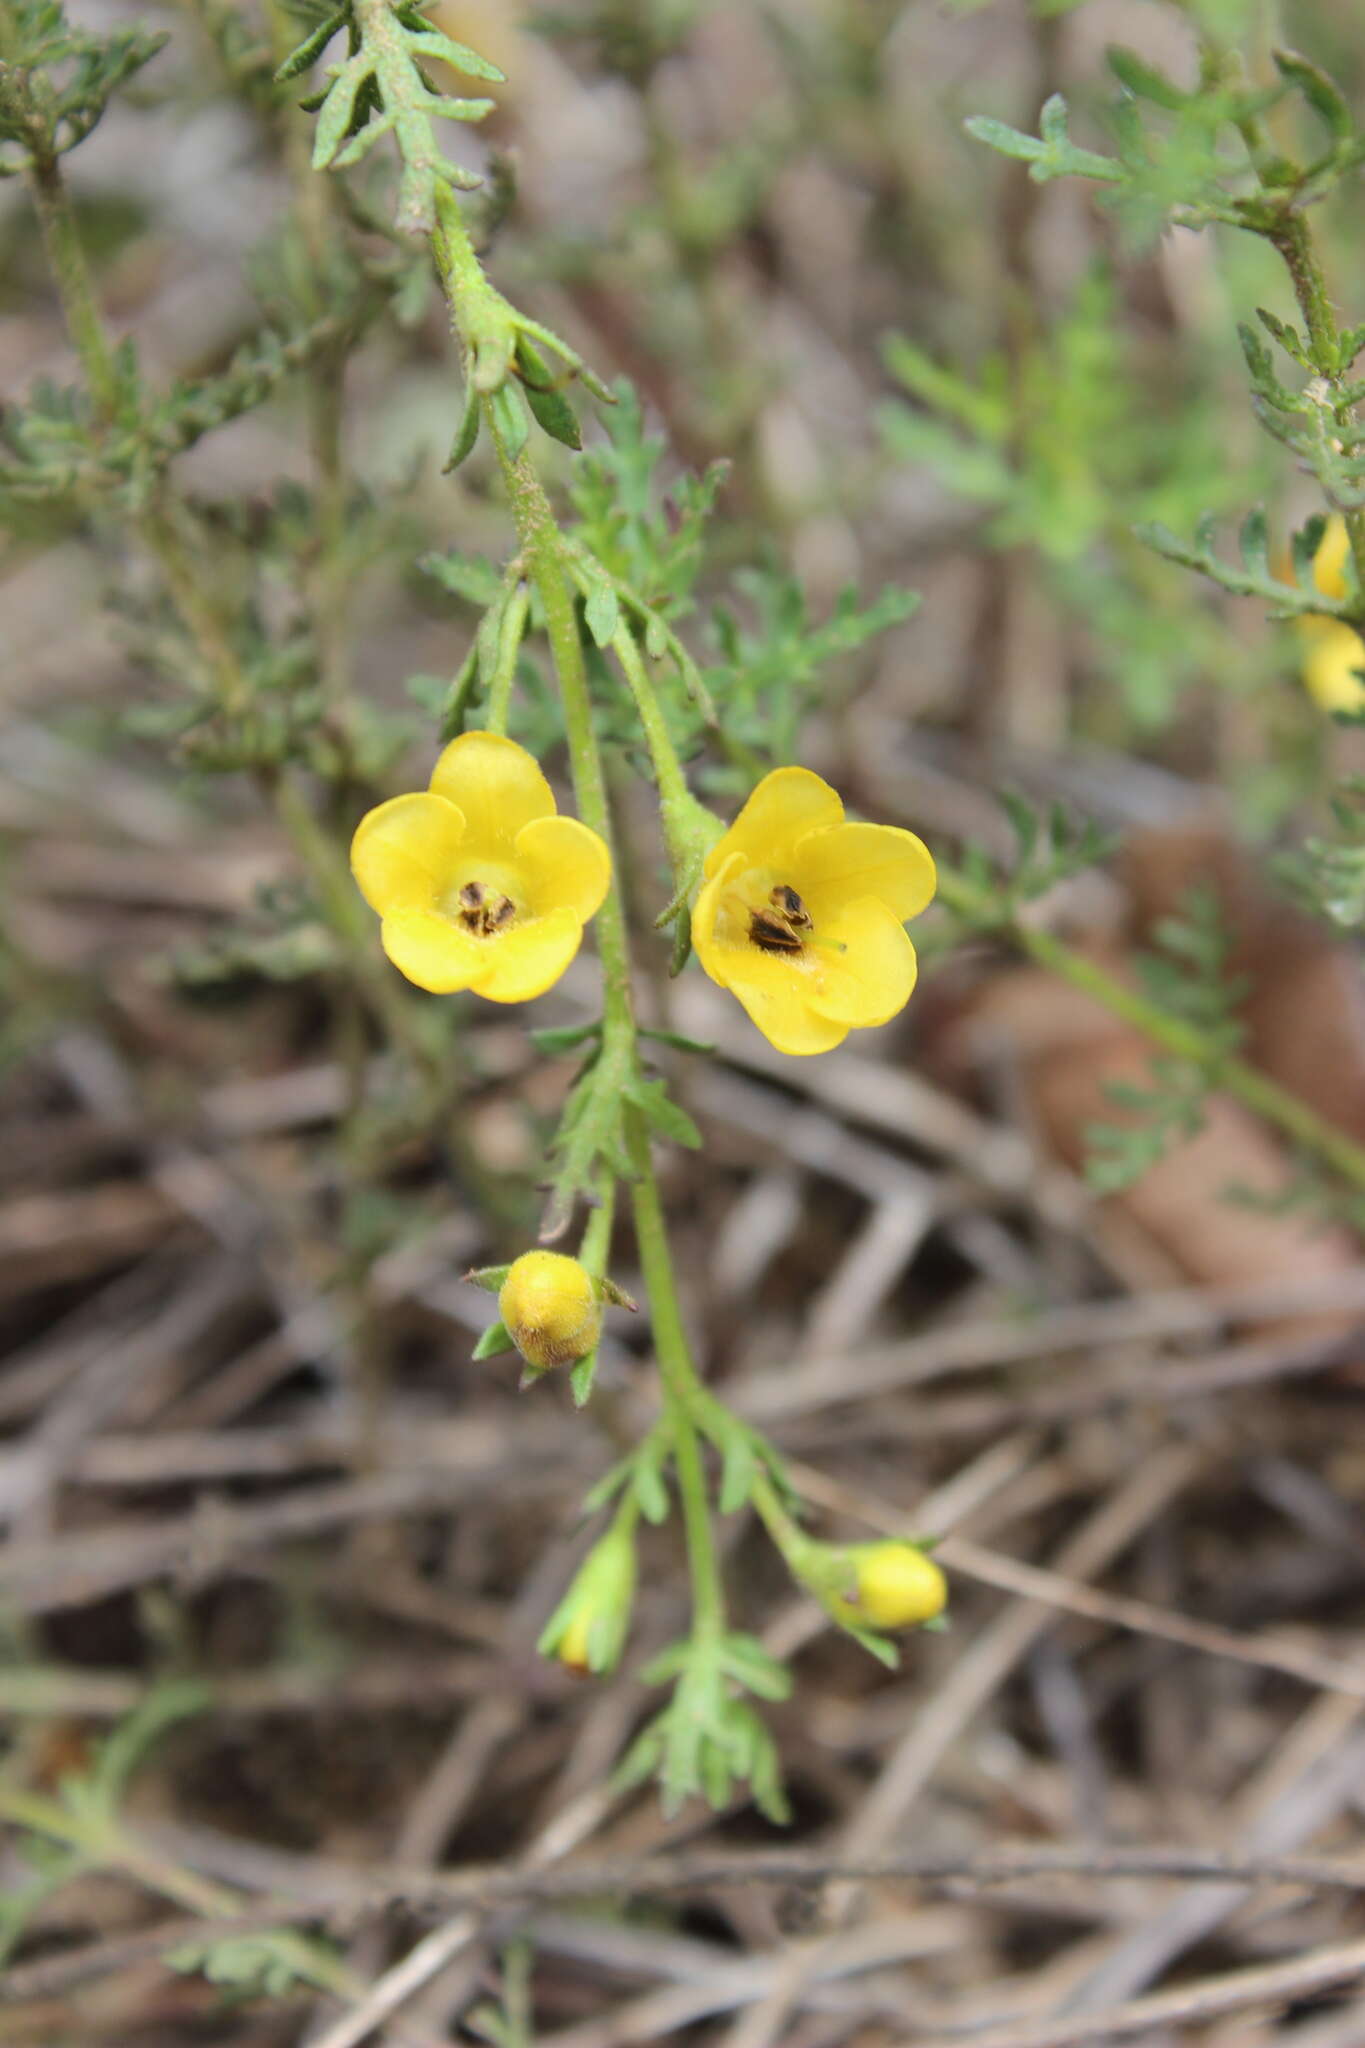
495 1340
548 404
880 1647
457 697
490 1278
468 432
682 949
581 1376
509 416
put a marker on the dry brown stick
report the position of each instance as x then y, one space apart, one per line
1299 1792
413 1971
1147 1384
969 1347
1272 1983
1332 1674
70 1570
46 1691
338 1891
30 1473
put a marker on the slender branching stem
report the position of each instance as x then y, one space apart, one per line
71 275
542 552
1289 1114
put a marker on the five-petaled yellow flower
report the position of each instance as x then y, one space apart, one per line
480 884
1332 650
801 914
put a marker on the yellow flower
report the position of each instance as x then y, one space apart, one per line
551 1308
480 884
801 915
897 1585
1332 650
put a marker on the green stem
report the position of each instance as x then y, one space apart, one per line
1288 1113
200 617
679 1377
1288 232
75 288
1294 240
509 647
543 552
663 754
540 546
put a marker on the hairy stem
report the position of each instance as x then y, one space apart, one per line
542 551
1294 241
679 1377
71 275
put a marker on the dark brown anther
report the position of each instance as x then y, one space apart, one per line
781 929
482 912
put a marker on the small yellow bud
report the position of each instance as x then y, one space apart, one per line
1333 652
587 1631
1333 655
550 1306
897 1584
572 1647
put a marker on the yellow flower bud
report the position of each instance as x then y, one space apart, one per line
572 1648
550 1306
1333 652
897 1584
587 1631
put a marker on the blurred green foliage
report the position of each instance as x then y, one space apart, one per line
1067 443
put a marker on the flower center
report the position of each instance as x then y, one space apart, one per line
484 911
782 924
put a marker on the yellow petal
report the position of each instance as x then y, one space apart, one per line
714 957
773 994
432 950
1329 563
528 959
562 863
1333 652
786 804
871 979
403 851
496 784
864 860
